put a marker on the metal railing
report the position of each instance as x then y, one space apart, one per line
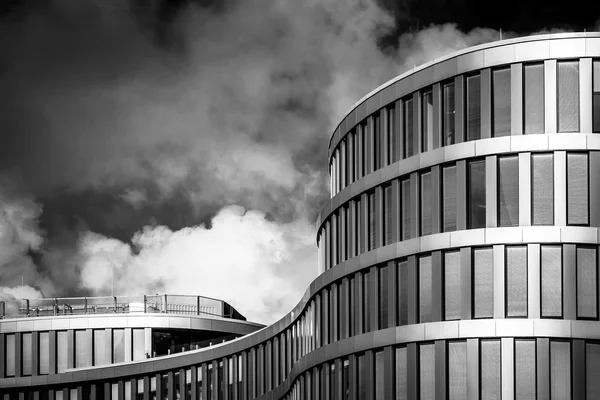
168 304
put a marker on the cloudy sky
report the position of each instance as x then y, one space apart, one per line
181 145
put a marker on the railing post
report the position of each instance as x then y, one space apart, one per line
165 307
26 307
55 306
115 304
85 305
145 304
197 305
2 310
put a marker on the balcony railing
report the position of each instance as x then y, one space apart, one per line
167 304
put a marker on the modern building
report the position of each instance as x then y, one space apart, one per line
458 254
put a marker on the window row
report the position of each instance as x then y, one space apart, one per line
470 194
427 119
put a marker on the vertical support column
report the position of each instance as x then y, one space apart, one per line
569 282
437 115
465 283
412 380
459 113
194 391
498 251
35 356
508 368
389 373
525 188
440 370
473 369
18 360
412 291
533 281
437 301
128 345
560 188
461 195
585 95
543 368
159 387
491 192
578 374
52 359
352 377
516 99
414 205
486 103
121 391
147 387
108 345
70 348
392 293
2 355
436 208
550 103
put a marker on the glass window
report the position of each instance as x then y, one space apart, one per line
345 380
153 388
501 102
525 370
596 96
587 282
372 221
44 351
393 135
483 291
452 285
332 385
542 189
26 353
508 191
377 159
457 370
73 394
490 369
403 292
427 371
388 232
449 109
568 96
82 350
425 289
560 370
115 391
473 107
383 297
405 186
426 120
516 281
408 128
62 346
533 98
58 395
379 376
140 389
127 391
139 344
401 374
476 200
9 354
118 345
366 302
425 204
100 347
449 198
577 189
363 375
592 366
551 281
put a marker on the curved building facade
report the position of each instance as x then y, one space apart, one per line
458 254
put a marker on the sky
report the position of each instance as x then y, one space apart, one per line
180 146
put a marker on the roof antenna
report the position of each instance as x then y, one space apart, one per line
500 33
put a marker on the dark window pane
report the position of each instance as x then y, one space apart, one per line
383 297
379 377
533 98
388 232
449 198
560 370
525 371
393 136
425 289
577 188
483 291
403 292
587 281
542 189
427 371
501 102
408 128
508 191
596 96
363 375
401 374
491 388
377 159
448 135
26 353
473 107
44 351
62 349
426 120
452 285
366 303
10 343
405 189
592 366
551 281
568 96
516 281
457 370
425 204
476 187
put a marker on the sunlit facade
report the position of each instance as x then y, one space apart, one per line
458 254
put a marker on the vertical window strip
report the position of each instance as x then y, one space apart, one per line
402 374
542 189
457 370
425 204
402 292
508 191
560 370
596 96
408 128
577 189
592 366
372 221
392 136
516 281
405 192
568 96
533 98
452 291
425 289
490 369
587 282
501 103
449 110
474 107
426 120
476 194
525 370
449 198
427 371
483 282
551 274
387 213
